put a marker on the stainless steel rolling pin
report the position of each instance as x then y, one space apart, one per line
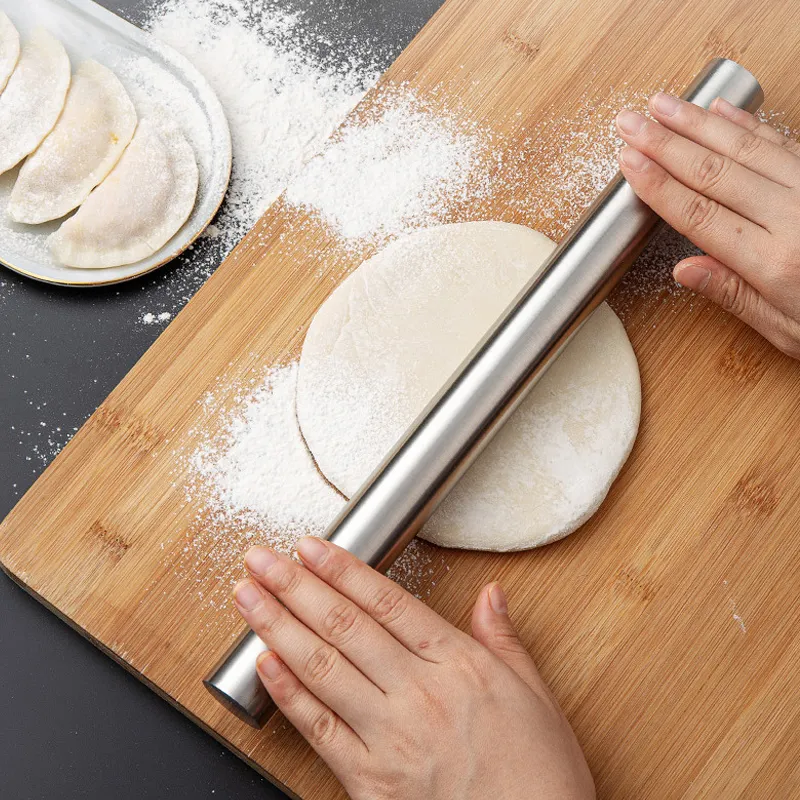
401 495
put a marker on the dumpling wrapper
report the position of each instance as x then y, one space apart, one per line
9 49
33 98
95 127
139 207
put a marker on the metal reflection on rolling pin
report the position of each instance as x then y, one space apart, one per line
400 496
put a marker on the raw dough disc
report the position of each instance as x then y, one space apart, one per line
9 49
395 330
34 97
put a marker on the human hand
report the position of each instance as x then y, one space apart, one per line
398 702
731 184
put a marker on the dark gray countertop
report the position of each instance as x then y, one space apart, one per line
72 723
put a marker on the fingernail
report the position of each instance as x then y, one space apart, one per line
497 600
666 103
630 122
259 559
724 108
693 276
312 550
269 666
247 595
633 159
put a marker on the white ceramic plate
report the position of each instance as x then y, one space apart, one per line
151 72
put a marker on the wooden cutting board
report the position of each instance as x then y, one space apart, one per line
669 626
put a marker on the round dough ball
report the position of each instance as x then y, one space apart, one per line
390 336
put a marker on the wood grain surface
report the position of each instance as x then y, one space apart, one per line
669 625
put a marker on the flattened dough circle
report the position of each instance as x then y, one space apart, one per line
394 331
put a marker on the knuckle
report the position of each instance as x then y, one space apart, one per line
437 643
389 605
733 296
270 618
286 693
338 567
340 622
711 171
287 579
507 640
658 137
656 181
323 728
784 264
700 213
322 665
746 145
695 118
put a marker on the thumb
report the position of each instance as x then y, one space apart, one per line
720 284
492 627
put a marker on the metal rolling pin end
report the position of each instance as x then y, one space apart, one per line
403 492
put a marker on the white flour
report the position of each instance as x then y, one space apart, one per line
281 103
404 167
257 483
152 319
258 472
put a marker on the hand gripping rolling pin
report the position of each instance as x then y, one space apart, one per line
400 496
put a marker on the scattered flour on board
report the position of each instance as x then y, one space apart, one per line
403 167
734 611
256 483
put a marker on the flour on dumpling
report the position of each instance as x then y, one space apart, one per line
9 49
94 129
33 98
139 207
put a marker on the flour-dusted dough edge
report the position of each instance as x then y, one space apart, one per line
79 241
33 98
444 527
42 192
480 529
9 49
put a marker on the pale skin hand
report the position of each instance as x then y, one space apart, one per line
731 184
398 702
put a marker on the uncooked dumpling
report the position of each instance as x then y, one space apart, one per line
33 98
91 134
139 207
9 49
395 330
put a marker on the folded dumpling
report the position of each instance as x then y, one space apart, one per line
139 207
33 97
94 129
9 49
